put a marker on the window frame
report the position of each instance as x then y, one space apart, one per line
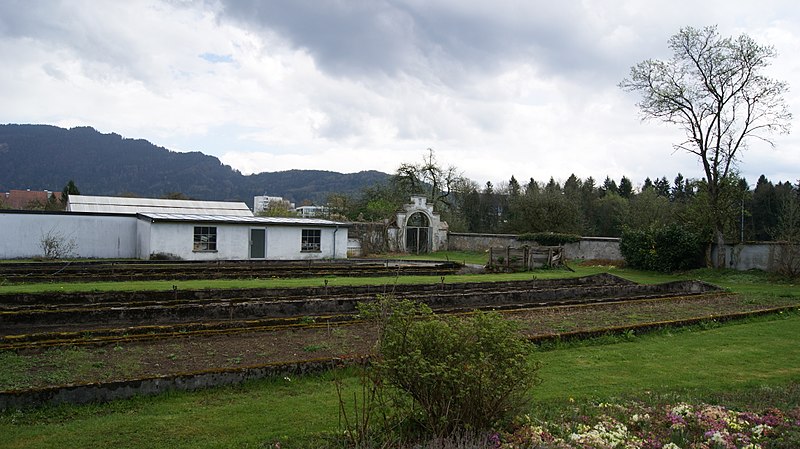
311 241
205 239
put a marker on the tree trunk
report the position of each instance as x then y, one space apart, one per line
720 261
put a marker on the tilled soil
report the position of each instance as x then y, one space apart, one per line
188 354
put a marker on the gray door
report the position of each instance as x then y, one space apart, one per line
258 243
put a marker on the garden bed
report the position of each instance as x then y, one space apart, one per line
181 355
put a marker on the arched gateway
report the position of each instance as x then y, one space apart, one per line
419 229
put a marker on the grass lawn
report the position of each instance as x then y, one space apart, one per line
741 282
689 364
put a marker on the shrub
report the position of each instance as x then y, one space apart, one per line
164 256
549 238
56 245
666 248
460 372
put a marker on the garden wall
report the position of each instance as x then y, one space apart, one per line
605 248
765 256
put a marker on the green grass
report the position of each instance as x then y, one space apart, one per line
230 417
466 257
281 282
750 282
701 363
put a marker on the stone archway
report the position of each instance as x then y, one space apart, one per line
418 233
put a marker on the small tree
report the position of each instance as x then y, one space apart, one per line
55 245
282 208
715 90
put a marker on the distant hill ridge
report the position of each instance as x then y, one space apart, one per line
39 157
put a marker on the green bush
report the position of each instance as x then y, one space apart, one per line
461 373
665 248
549 238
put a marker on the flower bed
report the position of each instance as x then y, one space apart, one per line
677 426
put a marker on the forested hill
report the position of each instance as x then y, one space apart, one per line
41 157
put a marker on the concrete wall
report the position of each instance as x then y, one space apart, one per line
606 248
752 256
95 236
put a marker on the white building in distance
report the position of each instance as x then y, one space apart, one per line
112 227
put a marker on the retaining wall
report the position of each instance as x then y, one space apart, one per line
123 389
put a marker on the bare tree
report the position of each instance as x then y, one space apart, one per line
55 245
430 179
714 89
787 232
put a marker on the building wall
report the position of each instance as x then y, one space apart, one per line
233 242
283 243
178 239
95 236
143 228
126 237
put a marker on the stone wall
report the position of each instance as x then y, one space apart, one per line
457 241
594 248
605 248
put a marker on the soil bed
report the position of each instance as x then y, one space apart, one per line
180 355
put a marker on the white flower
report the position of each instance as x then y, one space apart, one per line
718 438
760 429
670 446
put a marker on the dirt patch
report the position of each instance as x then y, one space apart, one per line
181 355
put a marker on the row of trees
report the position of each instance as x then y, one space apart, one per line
580 206
715 89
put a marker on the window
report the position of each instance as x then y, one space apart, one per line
310 240
205 238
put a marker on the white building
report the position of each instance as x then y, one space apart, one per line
262 203
312 211
109 227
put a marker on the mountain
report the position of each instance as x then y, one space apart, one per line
39 157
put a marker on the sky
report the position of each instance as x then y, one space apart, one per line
495 88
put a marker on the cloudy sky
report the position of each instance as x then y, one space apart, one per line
496 88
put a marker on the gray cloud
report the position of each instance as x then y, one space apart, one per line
441 41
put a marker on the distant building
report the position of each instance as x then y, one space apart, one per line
313 211
263 203
27 199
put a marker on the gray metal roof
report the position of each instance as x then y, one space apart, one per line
210 218
119 205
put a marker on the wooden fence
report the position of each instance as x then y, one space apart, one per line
525 258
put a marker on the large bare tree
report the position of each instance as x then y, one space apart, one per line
715 89
431 179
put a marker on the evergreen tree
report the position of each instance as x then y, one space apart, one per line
625 188
69 189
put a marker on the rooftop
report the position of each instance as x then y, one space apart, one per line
120 205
